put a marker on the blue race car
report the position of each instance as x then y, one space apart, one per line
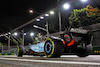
77 40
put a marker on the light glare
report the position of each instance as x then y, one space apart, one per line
15 34
51 12
41 17
46 14
84 0
9 33
6 34
24 33
31 34
35 26
37 19
31 11
66 6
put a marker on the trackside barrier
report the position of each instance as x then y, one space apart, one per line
7 53
5 49
96 50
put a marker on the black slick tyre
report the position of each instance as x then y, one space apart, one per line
53 48
20 51
81 52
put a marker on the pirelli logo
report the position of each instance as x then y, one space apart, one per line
96 51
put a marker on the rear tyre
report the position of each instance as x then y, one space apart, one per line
89 48
20 51
53 48
83 52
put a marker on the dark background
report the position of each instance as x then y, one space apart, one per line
14 13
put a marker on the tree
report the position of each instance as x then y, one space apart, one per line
86 16
1 44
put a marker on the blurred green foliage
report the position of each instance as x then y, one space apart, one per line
84 16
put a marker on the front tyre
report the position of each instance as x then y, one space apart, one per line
20 51
53 47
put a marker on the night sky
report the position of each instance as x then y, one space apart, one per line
20 7
14 13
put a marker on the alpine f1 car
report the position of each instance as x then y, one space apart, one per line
77 41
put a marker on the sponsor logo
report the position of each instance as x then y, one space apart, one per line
77 30
96 51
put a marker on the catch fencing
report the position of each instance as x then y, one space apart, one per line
6 49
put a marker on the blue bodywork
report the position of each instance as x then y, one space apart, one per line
39 47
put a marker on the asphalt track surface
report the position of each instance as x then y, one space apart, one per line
63 61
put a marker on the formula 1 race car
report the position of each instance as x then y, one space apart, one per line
77 41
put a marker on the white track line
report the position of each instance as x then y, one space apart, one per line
50 61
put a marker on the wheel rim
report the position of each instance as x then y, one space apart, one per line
48 47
